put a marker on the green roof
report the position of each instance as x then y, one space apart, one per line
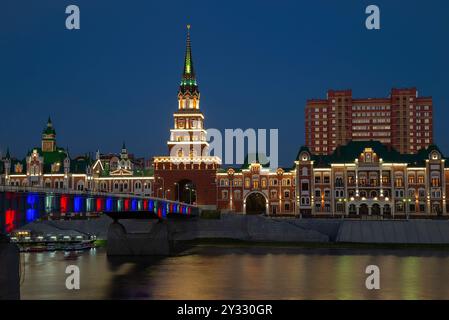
188 81
80 164
49 130
348 153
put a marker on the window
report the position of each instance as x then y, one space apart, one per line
305 201
435 181
339 182
224 194
422 207
287 207
318 193
305 186
339 193
247 183
286 194
237 195
422 193
351 180
317 179
326 179
399 182
399 193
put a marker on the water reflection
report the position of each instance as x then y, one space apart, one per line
241 273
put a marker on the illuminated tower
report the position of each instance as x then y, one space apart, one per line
188 173
49 138
188 138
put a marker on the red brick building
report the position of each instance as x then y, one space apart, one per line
403 120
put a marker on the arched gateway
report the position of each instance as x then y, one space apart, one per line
255 203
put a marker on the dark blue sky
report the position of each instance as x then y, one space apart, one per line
257 62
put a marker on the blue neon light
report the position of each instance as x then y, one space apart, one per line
164 211
31 215
134 205
109 204
32 212
78 204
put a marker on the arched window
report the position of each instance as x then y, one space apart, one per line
80 186
435 179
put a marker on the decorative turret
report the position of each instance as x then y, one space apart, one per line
49 137
124 152
67 162
7 162
188 95
188 137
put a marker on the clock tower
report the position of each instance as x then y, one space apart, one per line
188 173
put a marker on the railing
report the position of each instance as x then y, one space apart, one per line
24 189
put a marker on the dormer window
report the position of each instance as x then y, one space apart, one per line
18 168
434 156
305 156
55 167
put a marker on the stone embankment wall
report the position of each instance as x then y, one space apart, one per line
259 228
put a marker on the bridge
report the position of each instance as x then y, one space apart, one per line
22 205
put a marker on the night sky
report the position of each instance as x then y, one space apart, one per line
257 62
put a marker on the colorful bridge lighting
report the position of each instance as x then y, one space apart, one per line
20 208
99 205
78 204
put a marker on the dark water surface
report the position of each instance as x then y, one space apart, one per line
241 273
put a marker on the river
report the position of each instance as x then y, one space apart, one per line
240 273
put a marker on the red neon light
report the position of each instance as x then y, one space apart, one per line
99 204
159 212
145 205
9 221
64 203
127 204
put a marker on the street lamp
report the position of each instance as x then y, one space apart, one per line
163 184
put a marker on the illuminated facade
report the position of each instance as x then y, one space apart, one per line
48 166
369 178
257 189
403 120
354 176
51 167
